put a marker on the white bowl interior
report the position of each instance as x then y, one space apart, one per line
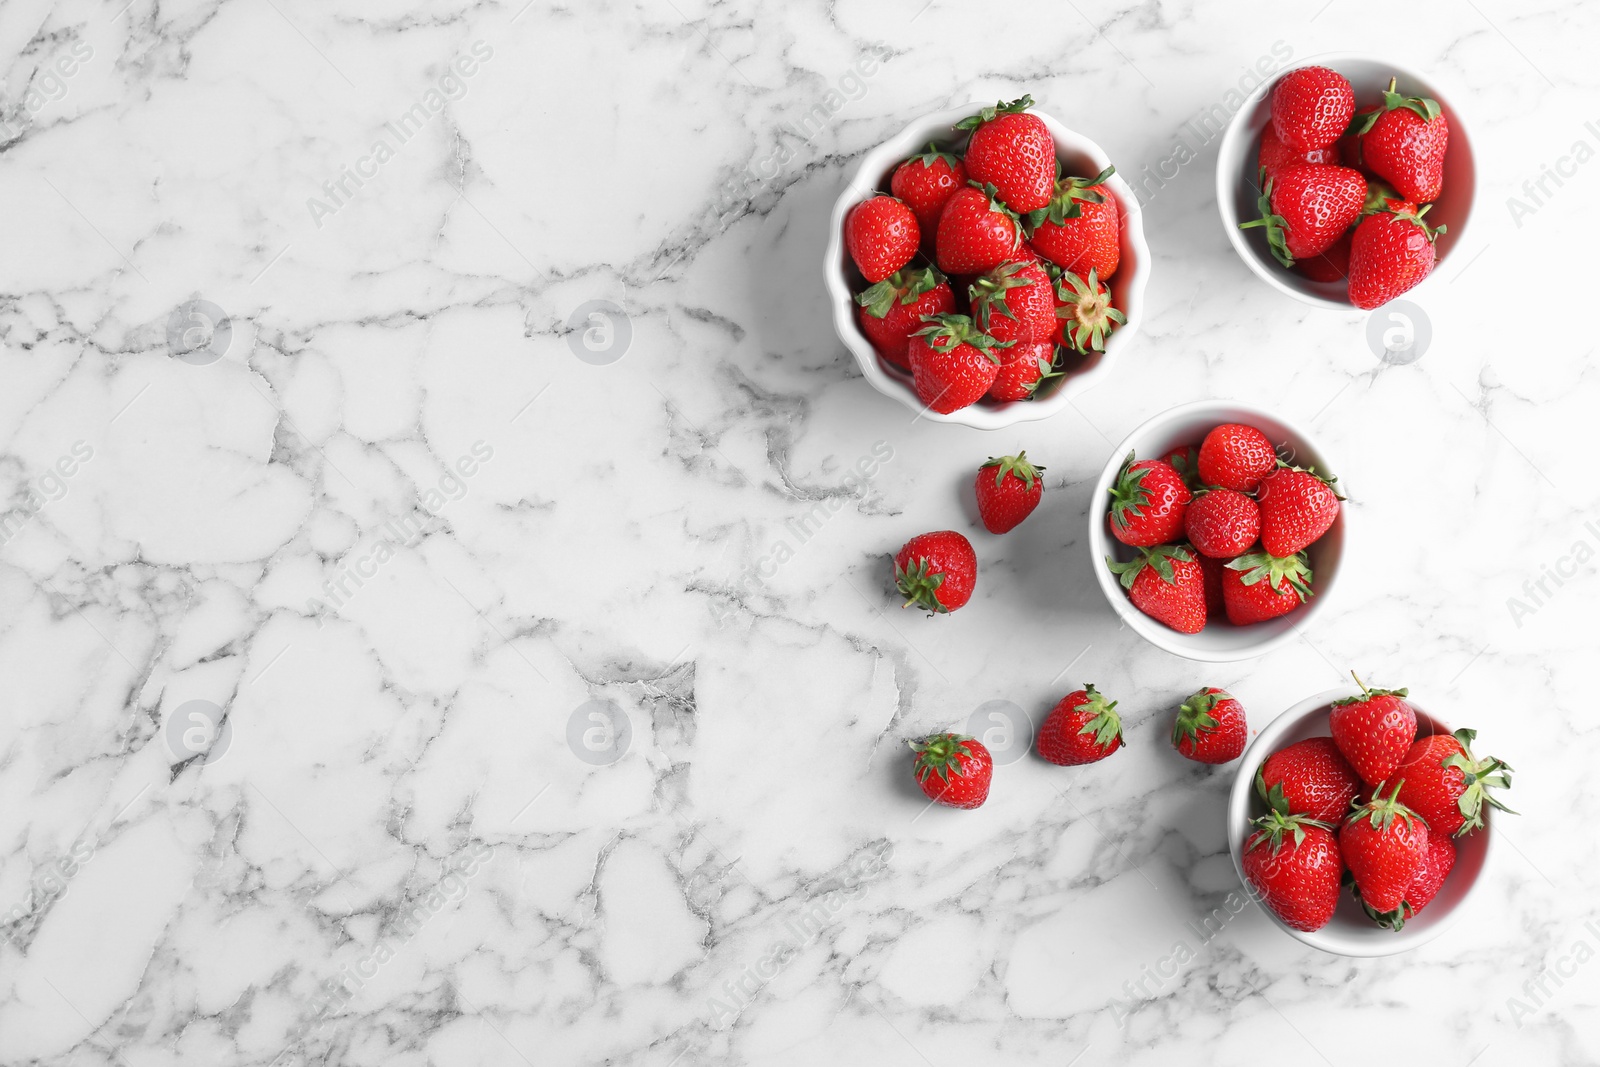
1350 932
1079 156
1237 186
1220 641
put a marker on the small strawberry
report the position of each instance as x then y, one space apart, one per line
1210 727
1083 728
1309 778
1080 229
1236 457
1297 507
1374 731
976 232
952 362
882 235
1166 583
1293 863
1014 302
1211 573
892 310
1405 141
1307 208
1446 785
1385 845
936 571
1008 489
1024 367
1013 151
1311 107
1392 250
1436 865
1275 156
1257 587
1148 501
1332 264
1222 523
926 182
1085 311
953 769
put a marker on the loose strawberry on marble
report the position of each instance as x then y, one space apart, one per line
953 363
1080 229
882 236
1257 587
1167 584
1008 489
926 182
1013 151
1148 502
936 571
1374 731
976 232
953 769
892 310
1210 727
1082 728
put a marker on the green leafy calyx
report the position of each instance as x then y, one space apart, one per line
1195 716
1295 570
1017 465
1160 557
942 754
989 114
905 286
1277 226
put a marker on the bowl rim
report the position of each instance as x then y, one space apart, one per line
1392 942
863 183
1164 637
1225 183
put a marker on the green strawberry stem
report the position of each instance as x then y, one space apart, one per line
989 114
1086 307
1381 812
1295 569
1277 824
1104 722
1425 107
1277 225
1480 776
940 754
919 587
906 286
1367 694
989 291
1195 718
1160 557
933 155
1017 465
947 331
1065 204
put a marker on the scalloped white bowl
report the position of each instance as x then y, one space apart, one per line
1079 155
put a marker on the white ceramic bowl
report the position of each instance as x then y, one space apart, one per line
1079 156
1219 642
1350 932
1237 186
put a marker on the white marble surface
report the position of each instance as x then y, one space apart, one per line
397 804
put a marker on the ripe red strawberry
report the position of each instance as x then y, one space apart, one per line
1445 784
1374 731
1311 107
1257 587
1210 727
1166 583
1024 367
976 232
1085 311
1405 141
1391 252
1236 457
926 182
892 310
882 236
1309 778
1384 845
1436 865
1332 264
1211 572
1222 523
1148 502
936 571
953 769
1307 208
952 362
1014 302
1293 863
1082 728
1275 156
1080 229
1008 490
1014 152
1297 507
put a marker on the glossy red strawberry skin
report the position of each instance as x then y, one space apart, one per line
1332 264
1312 107
1222 523
1437 863
1389 255
1276 157
1408 151
1383 860
1236 457
1318 202
1179 601
1314 778
946 553
1296 509
1300 883
882 236
973 237
1069 736
1022 367
1247 604
1374 734
1148 502
1091 241
1016 154
1219 741
891 334
926 185
966 778
1012 312
949 377
1431 789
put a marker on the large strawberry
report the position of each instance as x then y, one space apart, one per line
1257 587
892 310
1310 778
1392 250
926 182
976 232
1307 208
1082 728
1436 865
1013 151
1148 502
1024 367
1166 583
1222 523
1014 302
1236 457
953 363
1293 863
1008 489
936 571
882 236
1297 507
1210 727
953 769
1311 107
1081 228
1405 141
1385 845
1444 783
1275 156
1086 313
1374 731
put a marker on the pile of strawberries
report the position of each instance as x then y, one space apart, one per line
1344 192
983 273
1220 530
1334 818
